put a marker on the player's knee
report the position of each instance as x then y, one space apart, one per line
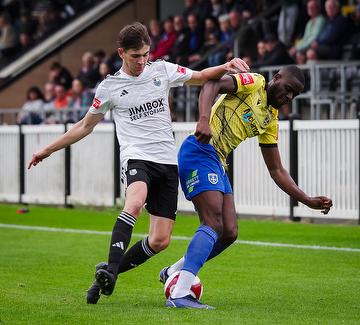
216 224
134 207
229 236
158 244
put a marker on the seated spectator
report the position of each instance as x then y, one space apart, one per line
8 37
196 37
89 74
104 71
154 33
226 32
49 92
276 53
216 7
261 52
58 74
312 29
32 110
168 39
48 19
61 99
328 45
191 8
80 98
180 50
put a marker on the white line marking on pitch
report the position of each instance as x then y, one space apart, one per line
243 242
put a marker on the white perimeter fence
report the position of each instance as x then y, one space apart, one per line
327 164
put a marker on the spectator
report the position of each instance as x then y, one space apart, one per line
234 20
89 74
58 74
168 39
32 110
154 33
287 21
196 37
261 52
49 92
226 32
328 44
61 99
312 28
80 98
216 7
191 8
276 53
104 71
180 49
8 37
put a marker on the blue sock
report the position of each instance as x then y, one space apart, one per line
199 249
217 249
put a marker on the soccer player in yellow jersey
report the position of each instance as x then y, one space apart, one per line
247 108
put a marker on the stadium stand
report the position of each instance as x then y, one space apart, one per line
206 33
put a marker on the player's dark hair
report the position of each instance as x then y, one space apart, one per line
295 72
134 37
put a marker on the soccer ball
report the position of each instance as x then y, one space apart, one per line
196 289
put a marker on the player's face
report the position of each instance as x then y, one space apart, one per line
282 89
134 60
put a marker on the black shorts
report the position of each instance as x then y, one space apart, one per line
162 184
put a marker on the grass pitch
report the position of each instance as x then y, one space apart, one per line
44 275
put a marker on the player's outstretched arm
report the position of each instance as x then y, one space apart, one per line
282 178
236 65
78 131
207 97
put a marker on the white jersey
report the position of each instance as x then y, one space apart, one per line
141 110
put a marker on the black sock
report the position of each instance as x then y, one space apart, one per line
120 239
136 255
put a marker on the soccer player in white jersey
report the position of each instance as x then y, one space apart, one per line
138 97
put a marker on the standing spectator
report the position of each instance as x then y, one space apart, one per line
168 39
32 110
89 74
58 74
328 44
287 21
312 28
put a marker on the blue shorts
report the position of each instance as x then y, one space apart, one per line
200 169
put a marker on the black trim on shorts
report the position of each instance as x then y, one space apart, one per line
268 145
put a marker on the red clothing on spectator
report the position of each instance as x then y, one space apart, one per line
164 46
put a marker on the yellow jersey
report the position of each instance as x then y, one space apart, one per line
243 114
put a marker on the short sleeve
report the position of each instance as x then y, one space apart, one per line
249 82
177 74
270 137
101 102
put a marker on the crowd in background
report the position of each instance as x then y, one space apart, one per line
202 35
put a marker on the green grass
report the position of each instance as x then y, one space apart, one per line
44 275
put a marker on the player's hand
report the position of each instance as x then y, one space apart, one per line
203 132
37 157
236 65
322 203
